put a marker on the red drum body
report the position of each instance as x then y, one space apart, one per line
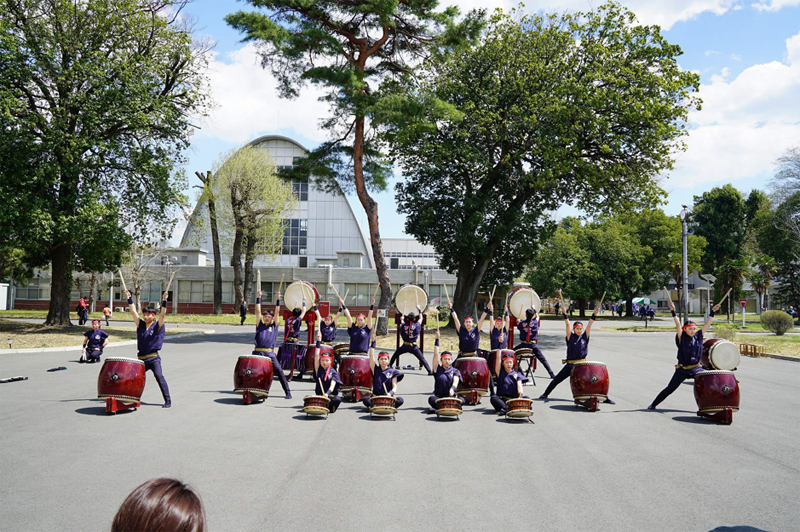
475 376
311 351
716 391
589 379
448 407
382 405
356 376
720 354
316 405
121 379
501 353
253 374
519 408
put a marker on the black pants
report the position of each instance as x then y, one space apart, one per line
558 379
154 365
414 350
499 404
538 354
276 369
678 377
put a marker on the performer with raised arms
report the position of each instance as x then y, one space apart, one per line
359 332
384 377
149 340
689 341
529 337
498 336
291 336
409 332
327 325
93 343
469 336
267 337
326 379
509 384
445 377
577 349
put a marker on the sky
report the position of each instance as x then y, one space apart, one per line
747 53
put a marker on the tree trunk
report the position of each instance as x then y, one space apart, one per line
249 257
61 285
236 263
629 306
582 307
371 208
467 287
92 286
212 214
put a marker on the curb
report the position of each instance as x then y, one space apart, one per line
115 344
784 357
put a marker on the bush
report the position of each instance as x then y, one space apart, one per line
776 321
724 331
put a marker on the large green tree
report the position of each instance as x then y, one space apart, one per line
350 48
98 99
584 109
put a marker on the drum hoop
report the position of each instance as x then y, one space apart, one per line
255 391
124 398
468 359
363 357
519 290
588 363
523 351
585 396
123 359
423 303
312 288
521 400
257 357
715 372
326 399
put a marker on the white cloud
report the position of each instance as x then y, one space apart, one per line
736 57
248 103
745 123
774 5
709 53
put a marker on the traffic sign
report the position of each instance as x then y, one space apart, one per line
743 302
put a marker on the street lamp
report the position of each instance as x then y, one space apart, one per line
685 298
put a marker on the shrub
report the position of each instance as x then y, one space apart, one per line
776 321
724 331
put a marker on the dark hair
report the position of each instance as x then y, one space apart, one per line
530 312
411 316
150 308
296 312
577 323
161 505
445 353
383 354
689 323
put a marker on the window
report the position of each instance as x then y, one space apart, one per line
303 261
345 262
295 237
184 258
394 263
33 290
300 189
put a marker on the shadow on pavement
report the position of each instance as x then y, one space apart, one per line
230 401
98 411
697 420
304 417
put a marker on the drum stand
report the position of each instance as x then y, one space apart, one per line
531 360
523 419
590 403
725 415
113 405
473 397
249 397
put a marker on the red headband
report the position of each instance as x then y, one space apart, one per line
468 319
326 355
509 356
361 316
383 354
96 321
446 354
689 325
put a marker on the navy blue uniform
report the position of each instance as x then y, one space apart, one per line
290 347
328 376
328 332
577 349
94 346
265 340
409 332
529 338
359 339
690 349
507 388
149 341
468 341
382 383
494 338
443 382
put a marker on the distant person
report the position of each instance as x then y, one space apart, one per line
243 311
161 505
93 343
106 314
83 311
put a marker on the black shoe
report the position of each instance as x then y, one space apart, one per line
651 407
552 375
168 404
288 395
610 402
431 411
543 396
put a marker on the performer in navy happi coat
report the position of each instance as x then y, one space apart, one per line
267 337
529 337
327 381
409 331
445 377
509 383
360 331
149 340
93 343
469 336
384 377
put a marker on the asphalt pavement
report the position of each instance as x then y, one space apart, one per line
66 465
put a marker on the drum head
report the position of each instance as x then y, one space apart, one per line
383 410
296 292
519 412
449 412
408 297
724 355
521 299
316 410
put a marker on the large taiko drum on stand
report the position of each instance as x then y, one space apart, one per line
311 351
720 354
589 382
408 297
717 395
475 376
356 377
121 380
299 291
521 299
500 353
252 377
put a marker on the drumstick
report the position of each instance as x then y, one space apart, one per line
384 389
723 297
491 297
561 297
258 279
336 292
280 285
601 300
668 296
171 277
345 296
375 293
320 386
448 295
122 279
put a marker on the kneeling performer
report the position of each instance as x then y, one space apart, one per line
509 384
445 377
384 377
327 381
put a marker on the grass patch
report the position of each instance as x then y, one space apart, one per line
31 335
775 345
639 328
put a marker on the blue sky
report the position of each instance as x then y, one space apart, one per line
746 51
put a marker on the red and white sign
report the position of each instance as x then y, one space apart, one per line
743 302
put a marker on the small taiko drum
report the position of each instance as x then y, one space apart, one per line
475 377
383 405
341 349
253 375
121 379
311 351
300 291
356 376
316 405
720 354
589 379
716 391
519 408
501 353
525 353
521 299
448 407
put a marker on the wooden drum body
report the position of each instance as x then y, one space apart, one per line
716 392
448 407
519 408
500 353
408 297
356 376
316 405
121 379
253 375
475 376
521 299
589 382
311 351
382 405
720 354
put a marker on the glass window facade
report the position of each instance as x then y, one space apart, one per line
295 237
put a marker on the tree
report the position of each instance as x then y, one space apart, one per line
209 198
349 48
787 179
584 109
761 275
719 217
251 203
777 239
98 98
